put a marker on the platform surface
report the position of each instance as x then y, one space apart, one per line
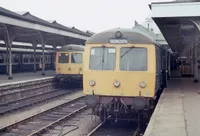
25 76
178 110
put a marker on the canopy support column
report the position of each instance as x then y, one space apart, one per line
54 57
43 43
34 43
10 35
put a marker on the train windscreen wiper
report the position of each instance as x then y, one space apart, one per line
127 51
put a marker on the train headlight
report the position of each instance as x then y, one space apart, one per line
142 84
116 83
91 82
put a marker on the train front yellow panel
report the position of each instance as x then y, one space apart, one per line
68 68
129 81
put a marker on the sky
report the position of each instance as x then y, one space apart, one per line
93 15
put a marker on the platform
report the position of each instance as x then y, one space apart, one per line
177 112
20 77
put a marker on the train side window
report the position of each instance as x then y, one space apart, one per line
31 58
76 58
15 58
46 59
37 58
40 58
25 58
133 59
2 59
63 58
49 58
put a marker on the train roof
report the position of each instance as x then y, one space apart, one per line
134 36
23 50
72 47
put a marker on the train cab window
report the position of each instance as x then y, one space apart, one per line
133 59
102 58
15 58
2 59
63 58
76 58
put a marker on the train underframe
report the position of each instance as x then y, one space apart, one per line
121 108
69 80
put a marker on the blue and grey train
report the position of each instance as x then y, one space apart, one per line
23 60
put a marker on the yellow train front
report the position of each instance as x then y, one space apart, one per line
123 73
69 66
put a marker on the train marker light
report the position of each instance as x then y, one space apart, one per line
91 82
116 83
142 84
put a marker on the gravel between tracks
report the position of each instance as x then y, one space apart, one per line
79 125
8 120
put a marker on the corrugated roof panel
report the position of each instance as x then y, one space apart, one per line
26 16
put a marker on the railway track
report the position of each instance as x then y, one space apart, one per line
32 100
40 123
20 90
115 129
21 96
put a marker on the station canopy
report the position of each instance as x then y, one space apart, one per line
158 38
179 23
25 27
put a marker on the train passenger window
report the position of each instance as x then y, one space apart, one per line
1 59
133 59
76 58
37 58
41 60
45 59
102 58
63 58
15 58
25 58
31 58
